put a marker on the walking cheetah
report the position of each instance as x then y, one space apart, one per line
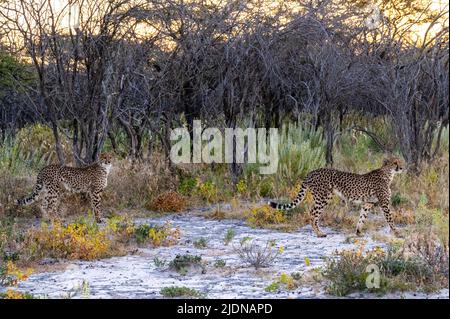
369 189
52 180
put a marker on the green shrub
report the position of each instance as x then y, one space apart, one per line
180 292
348 271
159 263
17 161
229 235
301 150
219 263
157 235
181 262
201 243
284 281
14 294
142 232
187 185
208 191
397 199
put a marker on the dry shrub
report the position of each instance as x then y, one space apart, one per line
74 241
12 188
217 214
264 215
301 219
431 183
404 216
208 191
340 218
157 235
123 229
398 272
168 202
72 204
134 184
428 247
258 256
11 275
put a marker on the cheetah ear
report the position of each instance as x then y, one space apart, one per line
386 161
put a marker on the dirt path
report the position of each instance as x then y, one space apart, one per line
137 276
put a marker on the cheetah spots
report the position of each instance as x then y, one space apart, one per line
54 179
369 188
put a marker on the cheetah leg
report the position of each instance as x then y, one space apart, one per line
319 204
362 217
95 202
44 207
52 204
388 215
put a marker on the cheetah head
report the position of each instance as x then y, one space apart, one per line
394 165
105 160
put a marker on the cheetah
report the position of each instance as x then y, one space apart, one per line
369 189
53 180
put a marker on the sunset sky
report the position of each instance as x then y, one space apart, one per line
68 16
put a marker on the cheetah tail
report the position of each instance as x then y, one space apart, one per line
293 204
32 197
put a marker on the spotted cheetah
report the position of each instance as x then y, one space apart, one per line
369 189
53 180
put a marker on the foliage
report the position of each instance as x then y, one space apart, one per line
264 215
169 202
11 275
12 72
37 141
159 263
430 249
284 281
156 235
121 226
181 263
187 185
11 239
207 191
241 187
75 241
397 199
220 263
16 160
348 271
301 150
136 184
229 235
14 294
176 291
201 243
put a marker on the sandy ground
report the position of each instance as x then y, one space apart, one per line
137 276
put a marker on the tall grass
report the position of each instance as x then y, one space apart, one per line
16 161
301 150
